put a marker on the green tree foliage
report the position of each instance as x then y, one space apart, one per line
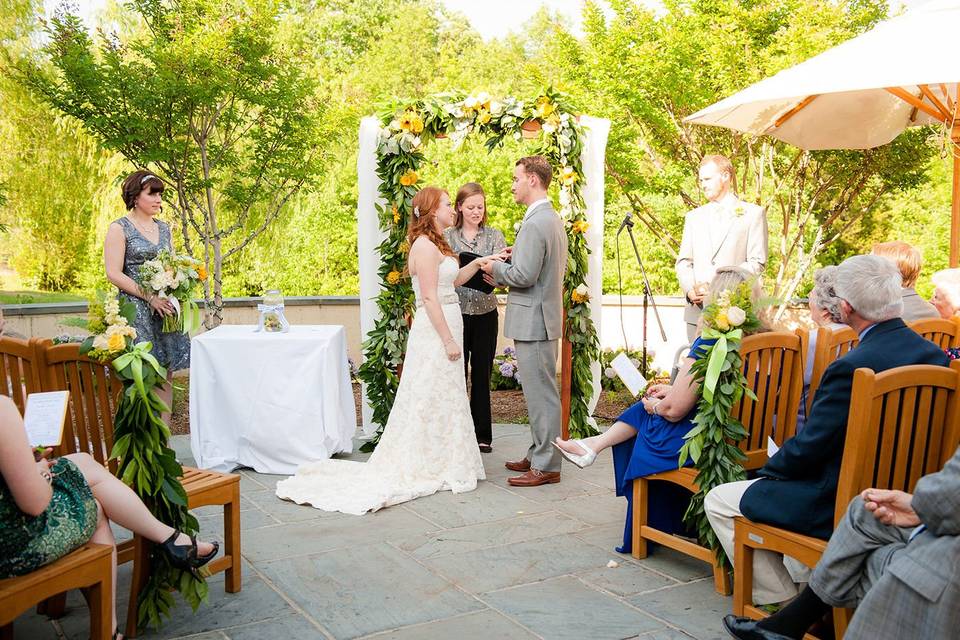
210 99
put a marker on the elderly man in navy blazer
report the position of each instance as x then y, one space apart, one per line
892 557
797 488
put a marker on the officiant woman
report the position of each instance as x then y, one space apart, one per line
472 233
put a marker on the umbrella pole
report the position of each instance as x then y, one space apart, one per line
955 213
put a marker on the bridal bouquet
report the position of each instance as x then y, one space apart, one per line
174 277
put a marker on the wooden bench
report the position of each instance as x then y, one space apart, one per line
94 392
903 424
88 568
773 366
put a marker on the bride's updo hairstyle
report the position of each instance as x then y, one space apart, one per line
422 219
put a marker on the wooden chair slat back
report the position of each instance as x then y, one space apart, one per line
94 396
773 367
941 332
21 370
831 344
902 425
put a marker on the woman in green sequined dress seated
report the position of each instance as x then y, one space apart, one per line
49 508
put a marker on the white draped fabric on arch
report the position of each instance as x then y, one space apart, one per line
369 234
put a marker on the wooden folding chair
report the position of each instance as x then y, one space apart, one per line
943 333
94 393
89 568
903 423
772 364
20 374
831 344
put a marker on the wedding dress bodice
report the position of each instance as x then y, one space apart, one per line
446 292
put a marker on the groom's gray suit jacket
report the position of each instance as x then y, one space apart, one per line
535 277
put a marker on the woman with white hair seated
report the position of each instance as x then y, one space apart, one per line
825 312
946 296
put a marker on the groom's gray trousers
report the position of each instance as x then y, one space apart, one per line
537 366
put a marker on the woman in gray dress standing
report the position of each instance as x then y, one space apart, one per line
480 320
131 241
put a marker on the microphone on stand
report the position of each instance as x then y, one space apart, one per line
627 224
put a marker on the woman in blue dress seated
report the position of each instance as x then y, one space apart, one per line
647 437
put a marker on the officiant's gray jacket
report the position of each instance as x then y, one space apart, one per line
535 277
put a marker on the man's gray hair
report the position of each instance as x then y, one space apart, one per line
872 286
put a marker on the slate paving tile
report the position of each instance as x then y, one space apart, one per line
569 486
320 535
364 589
36 627
595 509
513 564
287 511
627 579
485 504
665 634
463 539
672 563
564 608
294 627
695 608
489 625
251 519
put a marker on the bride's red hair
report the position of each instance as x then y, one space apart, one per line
426 203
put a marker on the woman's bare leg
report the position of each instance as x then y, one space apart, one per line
166 394
619 432
103 535
123 506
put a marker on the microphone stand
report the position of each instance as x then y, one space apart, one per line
647 293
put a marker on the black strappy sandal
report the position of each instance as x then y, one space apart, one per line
186 557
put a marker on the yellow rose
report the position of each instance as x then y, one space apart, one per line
409 178
721 321
542 108
568 176
116 342
580 226
202 272
396 215
393 277
412 122
483 116
405 247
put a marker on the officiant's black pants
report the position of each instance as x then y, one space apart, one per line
479 347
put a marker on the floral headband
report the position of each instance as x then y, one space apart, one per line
149 176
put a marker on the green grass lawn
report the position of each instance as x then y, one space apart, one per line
35 297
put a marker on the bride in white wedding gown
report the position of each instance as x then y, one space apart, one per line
428 444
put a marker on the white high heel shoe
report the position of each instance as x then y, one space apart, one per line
581 461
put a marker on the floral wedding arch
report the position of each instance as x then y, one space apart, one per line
390 155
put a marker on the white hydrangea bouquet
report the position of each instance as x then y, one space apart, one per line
174 277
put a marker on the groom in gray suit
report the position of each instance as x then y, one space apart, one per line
535 315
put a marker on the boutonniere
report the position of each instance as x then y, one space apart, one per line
739 210
516 227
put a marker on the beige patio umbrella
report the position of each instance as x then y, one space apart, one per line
863 93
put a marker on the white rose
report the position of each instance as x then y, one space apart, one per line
609 372
100 343
581 289
496 108
736 316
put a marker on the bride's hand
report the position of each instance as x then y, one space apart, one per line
453 350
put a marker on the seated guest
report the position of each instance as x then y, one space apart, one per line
48 509
647 437
893 557
909 262
825 312
946 295
797 486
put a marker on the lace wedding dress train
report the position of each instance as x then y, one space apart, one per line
428 444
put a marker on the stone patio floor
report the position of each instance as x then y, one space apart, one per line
499 562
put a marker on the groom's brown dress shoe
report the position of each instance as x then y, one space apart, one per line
519 465
535 478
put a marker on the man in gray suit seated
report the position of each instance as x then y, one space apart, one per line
893 557
535 316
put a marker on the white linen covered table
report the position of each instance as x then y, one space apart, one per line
270 401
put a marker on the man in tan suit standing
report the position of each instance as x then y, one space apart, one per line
724 232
